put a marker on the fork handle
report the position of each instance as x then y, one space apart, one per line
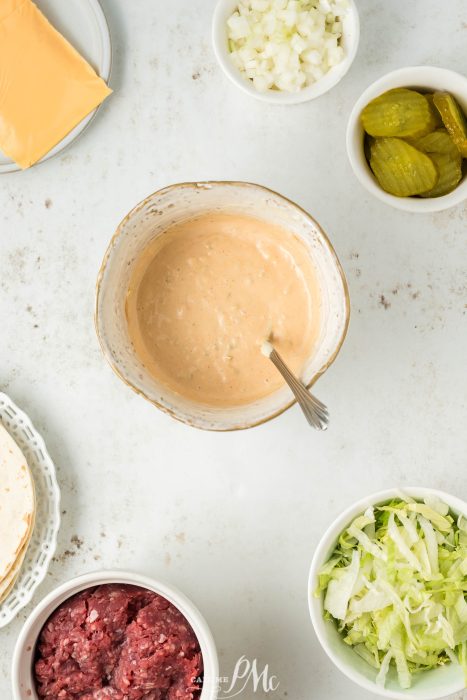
315 412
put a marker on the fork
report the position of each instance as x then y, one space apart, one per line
314 410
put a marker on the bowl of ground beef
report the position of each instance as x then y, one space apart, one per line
115 636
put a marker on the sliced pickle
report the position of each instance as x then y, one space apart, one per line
450 173
368 140
439 122
453 119
438 141
402 113
401 169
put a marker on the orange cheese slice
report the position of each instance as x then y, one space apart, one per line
46 87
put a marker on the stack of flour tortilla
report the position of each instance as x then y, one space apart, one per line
17 511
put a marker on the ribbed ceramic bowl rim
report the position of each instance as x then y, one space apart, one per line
219 183
50 603
321 555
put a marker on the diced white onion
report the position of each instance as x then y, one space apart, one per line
286 44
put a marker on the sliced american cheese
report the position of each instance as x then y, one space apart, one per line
46 87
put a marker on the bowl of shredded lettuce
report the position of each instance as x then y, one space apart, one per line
387 593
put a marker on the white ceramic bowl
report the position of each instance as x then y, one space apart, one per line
430 685
350 40
420 77
23 655
150 219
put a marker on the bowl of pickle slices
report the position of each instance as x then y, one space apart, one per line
407 139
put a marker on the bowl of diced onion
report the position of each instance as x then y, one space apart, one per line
285 51
387 590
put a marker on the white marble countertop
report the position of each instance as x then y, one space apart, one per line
232 519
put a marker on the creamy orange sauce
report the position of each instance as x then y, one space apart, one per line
205 295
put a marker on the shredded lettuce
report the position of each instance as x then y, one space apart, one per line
396 586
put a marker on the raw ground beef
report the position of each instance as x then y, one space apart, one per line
118 642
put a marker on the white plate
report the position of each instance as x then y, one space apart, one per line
44 538
83 23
